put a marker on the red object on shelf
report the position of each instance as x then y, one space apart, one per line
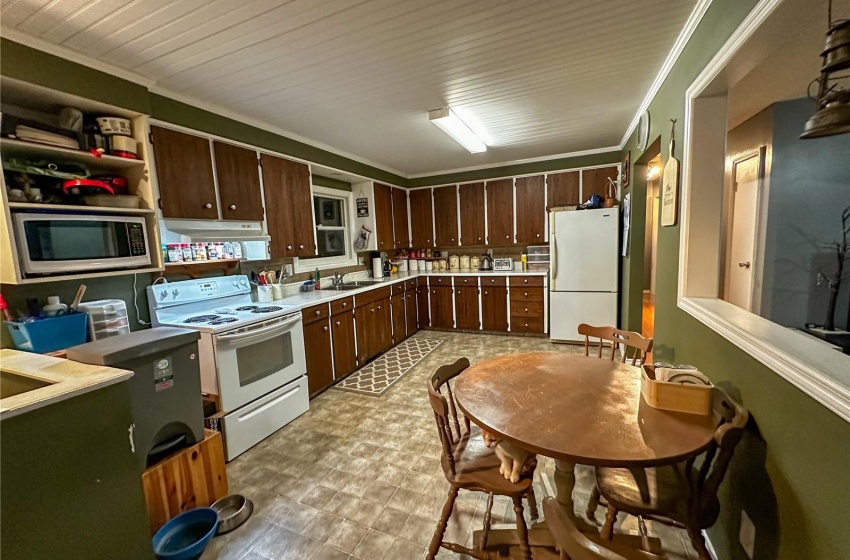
74 186
4 307
126 155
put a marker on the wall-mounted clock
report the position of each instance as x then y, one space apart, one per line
643 131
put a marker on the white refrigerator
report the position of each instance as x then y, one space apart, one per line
584 270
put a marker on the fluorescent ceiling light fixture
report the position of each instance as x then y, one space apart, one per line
451 124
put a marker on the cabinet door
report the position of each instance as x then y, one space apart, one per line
317 349
594 181
410 306
530 210
383 325
184 171
466 307
441 307
500 212
494 308
364 327
421 218
472 214
289 207
384 217
562 189
345 360
423 309
238 176
399 321
402 232
301 199
445 216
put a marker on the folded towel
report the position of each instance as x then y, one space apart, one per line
31 134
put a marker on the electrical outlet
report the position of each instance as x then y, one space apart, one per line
288 269
360 261
747 535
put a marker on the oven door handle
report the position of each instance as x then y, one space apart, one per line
239 337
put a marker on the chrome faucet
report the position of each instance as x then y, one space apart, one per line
337 279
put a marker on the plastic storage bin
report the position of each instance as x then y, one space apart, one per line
50 334
107 317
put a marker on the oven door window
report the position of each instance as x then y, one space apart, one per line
260 360
72 240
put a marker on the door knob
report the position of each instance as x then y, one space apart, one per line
207 205
744 264
232 207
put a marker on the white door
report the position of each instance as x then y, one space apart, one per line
742 233
585 252
567 310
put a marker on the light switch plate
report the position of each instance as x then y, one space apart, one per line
747 536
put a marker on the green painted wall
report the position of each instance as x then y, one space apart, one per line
792 470
331 183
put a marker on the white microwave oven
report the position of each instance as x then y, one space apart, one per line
51 243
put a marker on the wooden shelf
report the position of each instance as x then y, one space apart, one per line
194 269
99 274
20 148
78 208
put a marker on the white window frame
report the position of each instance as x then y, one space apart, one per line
804 361
350 257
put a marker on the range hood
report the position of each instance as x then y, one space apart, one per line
215 230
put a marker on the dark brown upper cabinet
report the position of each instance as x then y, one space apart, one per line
445 216
184 171
421 218
384 217
595 181
238 176
472 230
500 212
530 210
562 189
402 232
289 206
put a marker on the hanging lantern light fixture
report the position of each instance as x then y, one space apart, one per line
833 98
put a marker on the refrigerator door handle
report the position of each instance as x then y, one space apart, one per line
554 259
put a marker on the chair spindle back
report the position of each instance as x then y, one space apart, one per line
451 425
635 346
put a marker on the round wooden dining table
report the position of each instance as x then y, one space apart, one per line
577 410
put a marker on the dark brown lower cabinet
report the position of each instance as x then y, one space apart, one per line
494 308
442 310
410 305
317 347
423 317
373 327
397 303
466 308
345 358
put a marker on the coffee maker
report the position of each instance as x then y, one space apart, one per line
380 264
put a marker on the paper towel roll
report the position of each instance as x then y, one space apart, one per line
377 268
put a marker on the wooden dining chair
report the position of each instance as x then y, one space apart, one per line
682 495
469 464
575 545
632 342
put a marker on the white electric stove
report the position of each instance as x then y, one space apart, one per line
251 355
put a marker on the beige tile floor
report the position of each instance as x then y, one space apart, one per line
359 477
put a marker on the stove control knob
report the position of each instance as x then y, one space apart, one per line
163 294
175 292
243 282
235 283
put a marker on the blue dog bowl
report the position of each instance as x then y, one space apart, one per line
186 536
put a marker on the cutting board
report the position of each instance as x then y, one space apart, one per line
670 190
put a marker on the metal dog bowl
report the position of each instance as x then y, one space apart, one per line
233 511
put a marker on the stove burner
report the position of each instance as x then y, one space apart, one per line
247 308
225 311
267 309
201 318
223 320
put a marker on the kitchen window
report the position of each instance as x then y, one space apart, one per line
332 218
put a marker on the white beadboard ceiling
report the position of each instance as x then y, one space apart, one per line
539 77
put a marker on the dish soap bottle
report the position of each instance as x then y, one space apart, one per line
318 279
54 307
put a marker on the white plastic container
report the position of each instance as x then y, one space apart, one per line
54 307
107 317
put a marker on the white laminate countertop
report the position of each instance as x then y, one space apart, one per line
66 379
306 299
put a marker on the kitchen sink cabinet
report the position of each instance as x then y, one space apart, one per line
494 307
411 307
466 307
289 207
423 308
472 230
595 181
562 189
238 174
421 218
317 349
184 171
442 310
445 216
384 217
372 321
399 321
500 212
530 210
344 355
400 228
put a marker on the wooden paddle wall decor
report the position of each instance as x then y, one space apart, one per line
670 184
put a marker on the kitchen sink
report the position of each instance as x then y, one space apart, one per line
343 287
12 384
354 285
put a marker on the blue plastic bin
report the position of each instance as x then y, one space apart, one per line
51 333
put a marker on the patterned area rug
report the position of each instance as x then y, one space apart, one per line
377 377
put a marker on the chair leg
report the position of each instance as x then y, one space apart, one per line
610 518
521 529
593 503
532 503
488 516
437 539
699 543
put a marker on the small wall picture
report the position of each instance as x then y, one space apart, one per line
625 173
362 207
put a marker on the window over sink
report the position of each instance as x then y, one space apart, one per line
332 217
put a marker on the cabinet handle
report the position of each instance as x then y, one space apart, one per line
372 310
318 312
337 323
526 310
379 308
301 246
507 237
479 239
526 280
289 247
345 304
325 328
526 294
485 292
233 207
538 235
207 205
526 325
453 239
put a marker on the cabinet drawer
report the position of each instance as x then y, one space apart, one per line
342 305
315 313
494 281
440 280
527 309
466 280
371 296
397 288
526 324
527 281
410 284
520 293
